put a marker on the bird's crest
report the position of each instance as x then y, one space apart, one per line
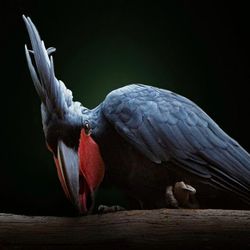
53 93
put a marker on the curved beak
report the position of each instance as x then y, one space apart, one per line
80 171
69 175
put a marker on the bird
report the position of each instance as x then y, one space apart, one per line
157 146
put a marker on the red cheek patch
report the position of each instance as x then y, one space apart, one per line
91 163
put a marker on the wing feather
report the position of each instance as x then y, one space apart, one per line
166 127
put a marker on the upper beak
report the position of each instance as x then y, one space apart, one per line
68 167
80 171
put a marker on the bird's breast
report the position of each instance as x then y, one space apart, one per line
128 169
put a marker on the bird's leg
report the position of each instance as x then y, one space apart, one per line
103 209
181 195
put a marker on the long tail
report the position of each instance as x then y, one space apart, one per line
53 93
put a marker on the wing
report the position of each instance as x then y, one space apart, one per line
166 127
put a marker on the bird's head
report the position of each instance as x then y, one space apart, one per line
78 162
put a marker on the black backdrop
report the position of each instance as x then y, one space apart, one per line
200 51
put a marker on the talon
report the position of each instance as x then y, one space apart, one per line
181 195
183 192
119 208
102 209
191 189
183 186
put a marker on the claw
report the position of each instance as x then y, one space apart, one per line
102 209
179 186
181 195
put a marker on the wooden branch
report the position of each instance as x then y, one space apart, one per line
151 229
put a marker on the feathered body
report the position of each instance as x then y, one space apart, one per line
145 139
153 138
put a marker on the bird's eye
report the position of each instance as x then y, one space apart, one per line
87 128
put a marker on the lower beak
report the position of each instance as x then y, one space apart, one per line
68 167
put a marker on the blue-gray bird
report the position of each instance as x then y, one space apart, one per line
159 147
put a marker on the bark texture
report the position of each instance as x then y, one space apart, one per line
144 229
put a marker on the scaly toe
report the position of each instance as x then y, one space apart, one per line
170 198
103 209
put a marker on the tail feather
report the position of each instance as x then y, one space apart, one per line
53 93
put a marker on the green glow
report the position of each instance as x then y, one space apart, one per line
104 65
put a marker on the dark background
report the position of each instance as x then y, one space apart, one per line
199 51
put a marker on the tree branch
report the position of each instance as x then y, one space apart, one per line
145 229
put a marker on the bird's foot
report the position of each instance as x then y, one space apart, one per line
181 195
102 209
